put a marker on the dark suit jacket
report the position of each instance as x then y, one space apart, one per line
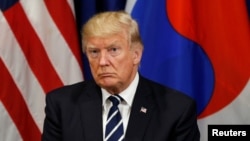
74 113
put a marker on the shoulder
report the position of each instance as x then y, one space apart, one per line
165 95
72 91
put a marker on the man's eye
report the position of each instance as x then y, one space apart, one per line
93 53
114 51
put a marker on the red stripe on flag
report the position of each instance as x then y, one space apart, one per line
32 48
68 31
16 107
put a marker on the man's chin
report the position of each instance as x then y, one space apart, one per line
107 82
110 85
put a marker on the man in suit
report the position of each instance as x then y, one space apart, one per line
149 111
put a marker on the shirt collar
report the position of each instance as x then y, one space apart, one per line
127 95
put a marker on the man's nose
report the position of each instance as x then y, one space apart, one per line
103 58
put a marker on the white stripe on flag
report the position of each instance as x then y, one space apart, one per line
21 73
55 45
8 130
130 5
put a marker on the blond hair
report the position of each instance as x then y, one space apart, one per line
110 23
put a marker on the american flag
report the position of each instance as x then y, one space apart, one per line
144 110
39 51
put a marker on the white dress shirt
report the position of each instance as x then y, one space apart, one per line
125 107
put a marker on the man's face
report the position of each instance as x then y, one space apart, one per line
112 61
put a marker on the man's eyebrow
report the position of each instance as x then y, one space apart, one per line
91 47
114 43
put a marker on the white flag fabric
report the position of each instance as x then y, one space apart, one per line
199 47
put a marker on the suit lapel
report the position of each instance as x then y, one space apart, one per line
91 113
141 112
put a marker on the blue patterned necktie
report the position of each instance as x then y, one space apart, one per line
114 126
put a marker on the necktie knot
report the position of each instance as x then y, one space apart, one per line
115 99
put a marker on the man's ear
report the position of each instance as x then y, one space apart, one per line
137 53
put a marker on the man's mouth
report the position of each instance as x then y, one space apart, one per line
105 75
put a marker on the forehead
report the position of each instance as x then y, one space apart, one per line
98 41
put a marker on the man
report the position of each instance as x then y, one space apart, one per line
149 111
